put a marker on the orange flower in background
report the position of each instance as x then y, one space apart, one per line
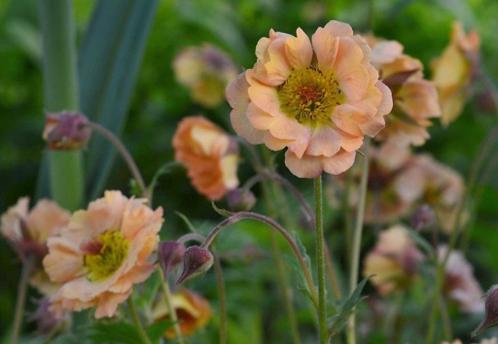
460 284
415 98
318 98
205 71
394 261
453 71
192 310
28 232
102 253
209 154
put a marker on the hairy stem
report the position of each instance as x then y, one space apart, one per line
358 229
320 261
220 285
171 309
22 288
244 215
136 320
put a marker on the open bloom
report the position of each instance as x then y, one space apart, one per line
394 261
453 71
318 98
460 284
192 310
206 71
28 231
102 253
209 154
415 98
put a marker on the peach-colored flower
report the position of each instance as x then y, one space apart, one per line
205 71
192 310
453 71
28 231
460 284
318 98
393 263
102 253
415 98
209 154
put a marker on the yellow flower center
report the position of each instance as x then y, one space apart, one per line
110 256
310 96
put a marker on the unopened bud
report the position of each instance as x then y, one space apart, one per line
170 255
66 131
240 199
424 217
196 261
490 311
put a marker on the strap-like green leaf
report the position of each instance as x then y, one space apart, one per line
109 58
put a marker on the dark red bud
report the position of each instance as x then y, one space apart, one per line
490 311
170 255
196 261
424 217
66 131
240 200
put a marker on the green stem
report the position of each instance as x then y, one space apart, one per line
171 310
320 261
136 320
22 288
61 94
220 285
355 256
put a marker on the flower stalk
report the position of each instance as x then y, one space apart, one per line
236 217
61 93
171 310
320 260
22 288
136 320
358 229
220 284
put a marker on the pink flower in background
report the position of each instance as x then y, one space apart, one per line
316 97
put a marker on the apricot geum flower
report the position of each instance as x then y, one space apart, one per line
318 98
393 263
102 253
205 71
192 311
415 98
28 231
454 70
209 154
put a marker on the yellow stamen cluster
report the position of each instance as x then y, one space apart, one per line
309 96
110 256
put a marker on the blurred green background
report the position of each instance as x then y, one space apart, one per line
158 102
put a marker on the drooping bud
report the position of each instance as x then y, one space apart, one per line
424 217
490 311
170 255
66 131
240 199
196 261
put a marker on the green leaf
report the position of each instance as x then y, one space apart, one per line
114 333
108 63
156 331
344 311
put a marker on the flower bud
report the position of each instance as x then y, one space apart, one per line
66 131
240 199
490 311
170 255
46 320
196 261
424 217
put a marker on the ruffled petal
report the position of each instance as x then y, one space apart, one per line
306 167
339 163
298 50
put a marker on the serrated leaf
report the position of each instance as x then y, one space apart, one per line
108 63
344 311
